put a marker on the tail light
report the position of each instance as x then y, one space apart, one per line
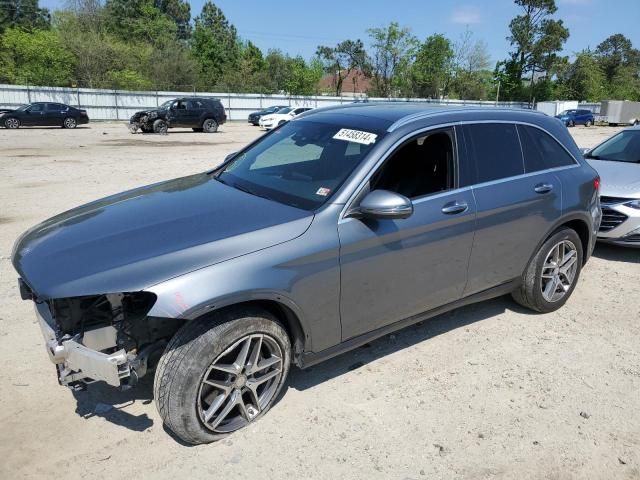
596 183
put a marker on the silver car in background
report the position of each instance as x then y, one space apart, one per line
617 160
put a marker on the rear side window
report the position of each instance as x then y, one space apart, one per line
541 151
496 149
55 107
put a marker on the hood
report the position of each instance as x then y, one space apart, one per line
618 179
6 110
136 239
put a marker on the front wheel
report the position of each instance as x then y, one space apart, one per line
160 126
588 123
221 372
571 123
552 274
210 126
12 123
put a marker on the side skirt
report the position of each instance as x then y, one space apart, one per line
309 359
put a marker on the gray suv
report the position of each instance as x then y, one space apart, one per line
334 229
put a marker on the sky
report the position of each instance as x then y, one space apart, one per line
299 26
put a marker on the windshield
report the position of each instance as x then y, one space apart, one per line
566 112
301 164
285 110
270 109
623 147
166 104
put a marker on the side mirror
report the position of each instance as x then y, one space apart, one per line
383 204
585 151
230 156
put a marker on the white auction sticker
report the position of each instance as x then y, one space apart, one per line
356 136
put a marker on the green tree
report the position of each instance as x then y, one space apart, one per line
393 49
303 78
583 79
343 59
620 63
139 21
537 38
215 44
25 14
180 12
34 58
472 78
433 67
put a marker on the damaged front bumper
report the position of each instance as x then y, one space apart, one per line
79 359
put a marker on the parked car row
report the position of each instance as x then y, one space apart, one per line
275 116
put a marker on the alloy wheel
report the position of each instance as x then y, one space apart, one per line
559 271
11 123
69 123
240 383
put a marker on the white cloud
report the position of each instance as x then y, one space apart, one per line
466 15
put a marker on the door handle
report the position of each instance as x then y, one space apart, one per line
452 208
543 188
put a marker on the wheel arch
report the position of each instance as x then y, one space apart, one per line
577 222
280 306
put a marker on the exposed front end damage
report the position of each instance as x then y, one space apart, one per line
106 338
144 121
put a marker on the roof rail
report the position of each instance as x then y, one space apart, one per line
436 111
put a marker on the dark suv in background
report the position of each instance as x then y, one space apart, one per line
337 227
201 114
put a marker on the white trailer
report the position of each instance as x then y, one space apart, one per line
554 108
620 112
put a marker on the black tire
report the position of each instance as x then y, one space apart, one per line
636 123
529 294
281 122
572 123
197 129
145 129
70 123
189 356
588 123
160 126
12 123
210 125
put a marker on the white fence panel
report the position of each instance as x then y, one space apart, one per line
104 104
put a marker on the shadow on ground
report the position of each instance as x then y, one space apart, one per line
615 253
407 337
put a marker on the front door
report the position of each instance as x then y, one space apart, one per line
394 269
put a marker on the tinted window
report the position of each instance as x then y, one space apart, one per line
56 107
496 150
300 164
195 105
37 107
541 151
623 147
422 166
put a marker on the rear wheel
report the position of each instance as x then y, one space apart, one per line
12 123
160 126
281 122
221 372
69 122
552 273
210 126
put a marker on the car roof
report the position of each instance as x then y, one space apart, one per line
393 115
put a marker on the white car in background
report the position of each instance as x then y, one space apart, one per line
281 116
617 160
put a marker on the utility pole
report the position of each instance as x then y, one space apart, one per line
498 93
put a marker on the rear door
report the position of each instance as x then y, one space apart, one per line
516 205
54 114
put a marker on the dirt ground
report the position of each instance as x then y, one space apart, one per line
486 391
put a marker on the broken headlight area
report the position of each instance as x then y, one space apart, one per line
104 337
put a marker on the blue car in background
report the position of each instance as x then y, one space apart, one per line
571 118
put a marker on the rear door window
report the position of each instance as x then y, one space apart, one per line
541 151
55 107
496 150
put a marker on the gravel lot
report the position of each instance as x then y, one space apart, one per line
489 390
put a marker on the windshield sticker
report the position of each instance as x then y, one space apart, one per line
323 191
356 136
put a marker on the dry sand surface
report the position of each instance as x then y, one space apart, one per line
486 391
